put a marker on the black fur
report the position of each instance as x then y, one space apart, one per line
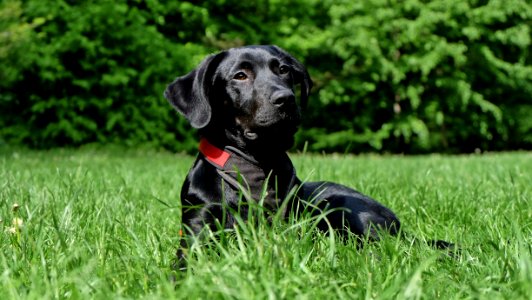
243 100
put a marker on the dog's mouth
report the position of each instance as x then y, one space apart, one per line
284 117
250 135
279 132
271 127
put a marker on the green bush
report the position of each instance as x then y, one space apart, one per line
419 76
95 72
400 76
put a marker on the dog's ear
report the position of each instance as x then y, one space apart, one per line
301 76
189 94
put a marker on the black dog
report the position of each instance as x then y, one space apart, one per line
242 101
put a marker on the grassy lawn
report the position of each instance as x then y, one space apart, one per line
103 223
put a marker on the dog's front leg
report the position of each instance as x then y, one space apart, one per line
346 209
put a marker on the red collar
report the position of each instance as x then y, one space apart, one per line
212 153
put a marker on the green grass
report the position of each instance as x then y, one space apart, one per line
103 223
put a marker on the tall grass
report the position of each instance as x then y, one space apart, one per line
103 223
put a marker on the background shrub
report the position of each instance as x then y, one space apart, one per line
400 76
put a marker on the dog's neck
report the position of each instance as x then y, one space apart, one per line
249 175
225 157
264 152
268 146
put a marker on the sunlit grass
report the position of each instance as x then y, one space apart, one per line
103 223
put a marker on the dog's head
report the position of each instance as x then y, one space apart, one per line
244 97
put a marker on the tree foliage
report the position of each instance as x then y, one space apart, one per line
401 76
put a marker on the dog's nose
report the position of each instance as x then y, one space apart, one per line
281 97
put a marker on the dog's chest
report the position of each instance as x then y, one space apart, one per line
239 176
268 184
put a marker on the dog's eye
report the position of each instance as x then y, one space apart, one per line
284 69
240 76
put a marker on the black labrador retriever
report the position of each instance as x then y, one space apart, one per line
242 102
